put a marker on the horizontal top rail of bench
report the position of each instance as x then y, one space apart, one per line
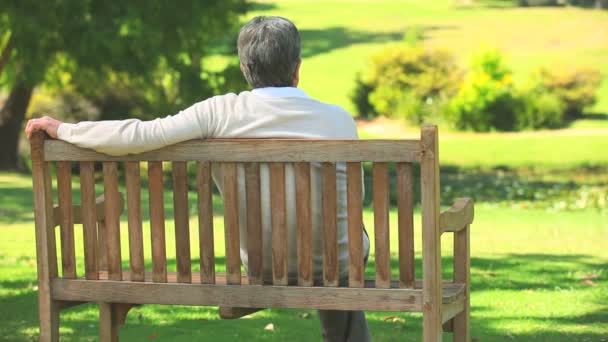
254 150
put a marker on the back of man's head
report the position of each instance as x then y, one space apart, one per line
269 51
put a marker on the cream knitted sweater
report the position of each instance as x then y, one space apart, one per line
261 113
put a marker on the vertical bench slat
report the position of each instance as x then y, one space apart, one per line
52 243
89 219
355 225
462 274
205 222
182 228
102 251
136 246
231 224
304 224
330 235
431 236
112 219
279 225
66 222
46 253
381 225
157 222
405 205
254 223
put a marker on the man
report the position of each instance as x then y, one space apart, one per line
269 52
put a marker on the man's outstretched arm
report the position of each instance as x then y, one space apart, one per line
120 137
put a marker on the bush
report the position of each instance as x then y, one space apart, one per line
575 87
360 98
486 101
406 81
540 109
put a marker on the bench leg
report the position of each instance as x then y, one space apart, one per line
49 322
108 323
432 329
111 317
462 264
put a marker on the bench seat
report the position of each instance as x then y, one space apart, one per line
220 294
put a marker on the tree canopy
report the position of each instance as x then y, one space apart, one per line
91 45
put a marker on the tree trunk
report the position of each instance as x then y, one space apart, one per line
11 120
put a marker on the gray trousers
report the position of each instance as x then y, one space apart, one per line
344 326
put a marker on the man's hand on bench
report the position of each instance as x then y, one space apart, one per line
45 124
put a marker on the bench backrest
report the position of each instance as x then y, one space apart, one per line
229 153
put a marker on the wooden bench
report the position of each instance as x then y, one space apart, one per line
444 303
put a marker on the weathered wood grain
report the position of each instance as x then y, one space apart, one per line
136 246
457 216
279 223
64 195
157 221
205 222
405 209
304 224
355 225
255 150
88 213
330 229
231 223
181 217
381 225
431 235
112 219
254 226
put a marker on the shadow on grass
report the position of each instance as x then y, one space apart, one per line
505 276
16 205
316 42
500 184
595 116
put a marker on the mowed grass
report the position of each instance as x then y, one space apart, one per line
557 149
538 275
338 37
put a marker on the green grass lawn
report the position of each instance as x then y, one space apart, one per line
538 274
338 36
562 148
539 252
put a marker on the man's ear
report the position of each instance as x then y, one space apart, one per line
296 74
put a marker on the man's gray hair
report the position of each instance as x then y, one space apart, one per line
269 51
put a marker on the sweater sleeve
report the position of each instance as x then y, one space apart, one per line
121 137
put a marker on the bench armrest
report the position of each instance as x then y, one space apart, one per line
458 216
76 210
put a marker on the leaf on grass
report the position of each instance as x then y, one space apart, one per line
152 336
304 315
589 282
269 327
590 276
394 319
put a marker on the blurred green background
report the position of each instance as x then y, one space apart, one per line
519 90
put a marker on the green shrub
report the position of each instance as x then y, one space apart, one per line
540 109
360 98
408 82
575 87
486 101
